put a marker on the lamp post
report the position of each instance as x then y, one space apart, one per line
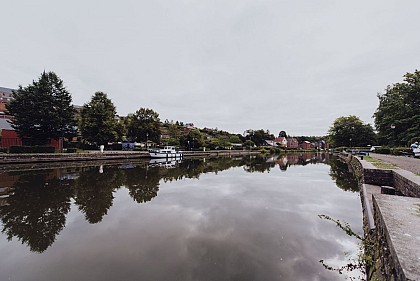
393 134
147 141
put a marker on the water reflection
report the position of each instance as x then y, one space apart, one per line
36 212
34 204
341 173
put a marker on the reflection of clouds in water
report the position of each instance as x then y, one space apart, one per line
231 226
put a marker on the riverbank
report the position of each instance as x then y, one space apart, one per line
107 155
390 221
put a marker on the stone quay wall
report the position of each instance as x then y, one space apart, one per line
403 181
391 223
107 155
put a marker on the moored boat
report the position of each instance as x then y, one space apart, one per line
166 152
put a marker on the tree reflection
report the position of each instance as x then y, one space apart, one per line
37 210
143 183
94 191
342 176
258 164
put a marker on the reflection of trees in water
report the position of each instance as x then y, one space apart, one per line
142 183
257 164
37 211
94 191
342 176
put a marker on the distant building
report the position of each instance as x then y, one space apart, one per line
292 143
271 143
6 95
281 141
188 127
306 145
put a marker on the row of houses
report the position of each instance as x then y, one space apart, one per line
9 137
293 143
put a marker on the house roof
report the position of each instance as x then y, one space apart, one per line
5 125
6 90
280 139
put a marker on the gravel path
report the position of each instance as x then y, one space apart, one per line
407 163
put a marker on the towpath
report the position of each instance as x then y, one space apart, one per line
407 163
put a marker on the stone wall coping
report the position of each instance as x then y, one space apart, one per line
408 175
366 164
368 190
401 216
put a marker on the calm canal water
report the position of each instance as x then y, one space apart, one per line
248 218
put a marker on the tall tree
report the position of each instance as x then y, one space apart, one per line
397 118
42 110
98 123
144 125
258 137
194 139
283 134
351 131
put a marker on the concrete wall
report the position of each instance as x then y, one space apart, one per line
391 223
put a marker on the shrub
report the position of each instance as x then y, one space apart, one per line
3 150
32 149
383 150
115 146
71 150
401 151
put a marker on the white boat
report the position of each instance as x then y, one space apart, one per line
166 152
164 162
416 152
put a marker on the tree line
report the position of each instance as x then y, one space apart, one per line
43 110
397 118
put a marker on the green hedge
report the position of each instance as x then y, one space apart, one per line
383 150
32 149
401 151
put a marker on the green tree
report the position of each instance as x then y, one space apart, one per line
258 137
98 123
194 139
42 110
235 139
397 118
144 125
283 134
351 131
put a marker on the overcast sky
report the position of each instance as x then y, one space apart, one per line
234 65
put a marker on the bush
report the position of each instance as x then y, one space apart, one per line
3 150
71 144
86 146
115 146
32 149
383 150
401 151
71 150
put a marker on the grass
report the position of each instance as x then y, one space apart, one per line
379 163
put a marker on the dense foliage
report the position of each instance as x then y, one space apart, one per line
397 118
351 131
98 123
42 110
258 137
144 125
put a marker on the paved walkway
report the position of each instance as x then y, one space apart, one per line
407 163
